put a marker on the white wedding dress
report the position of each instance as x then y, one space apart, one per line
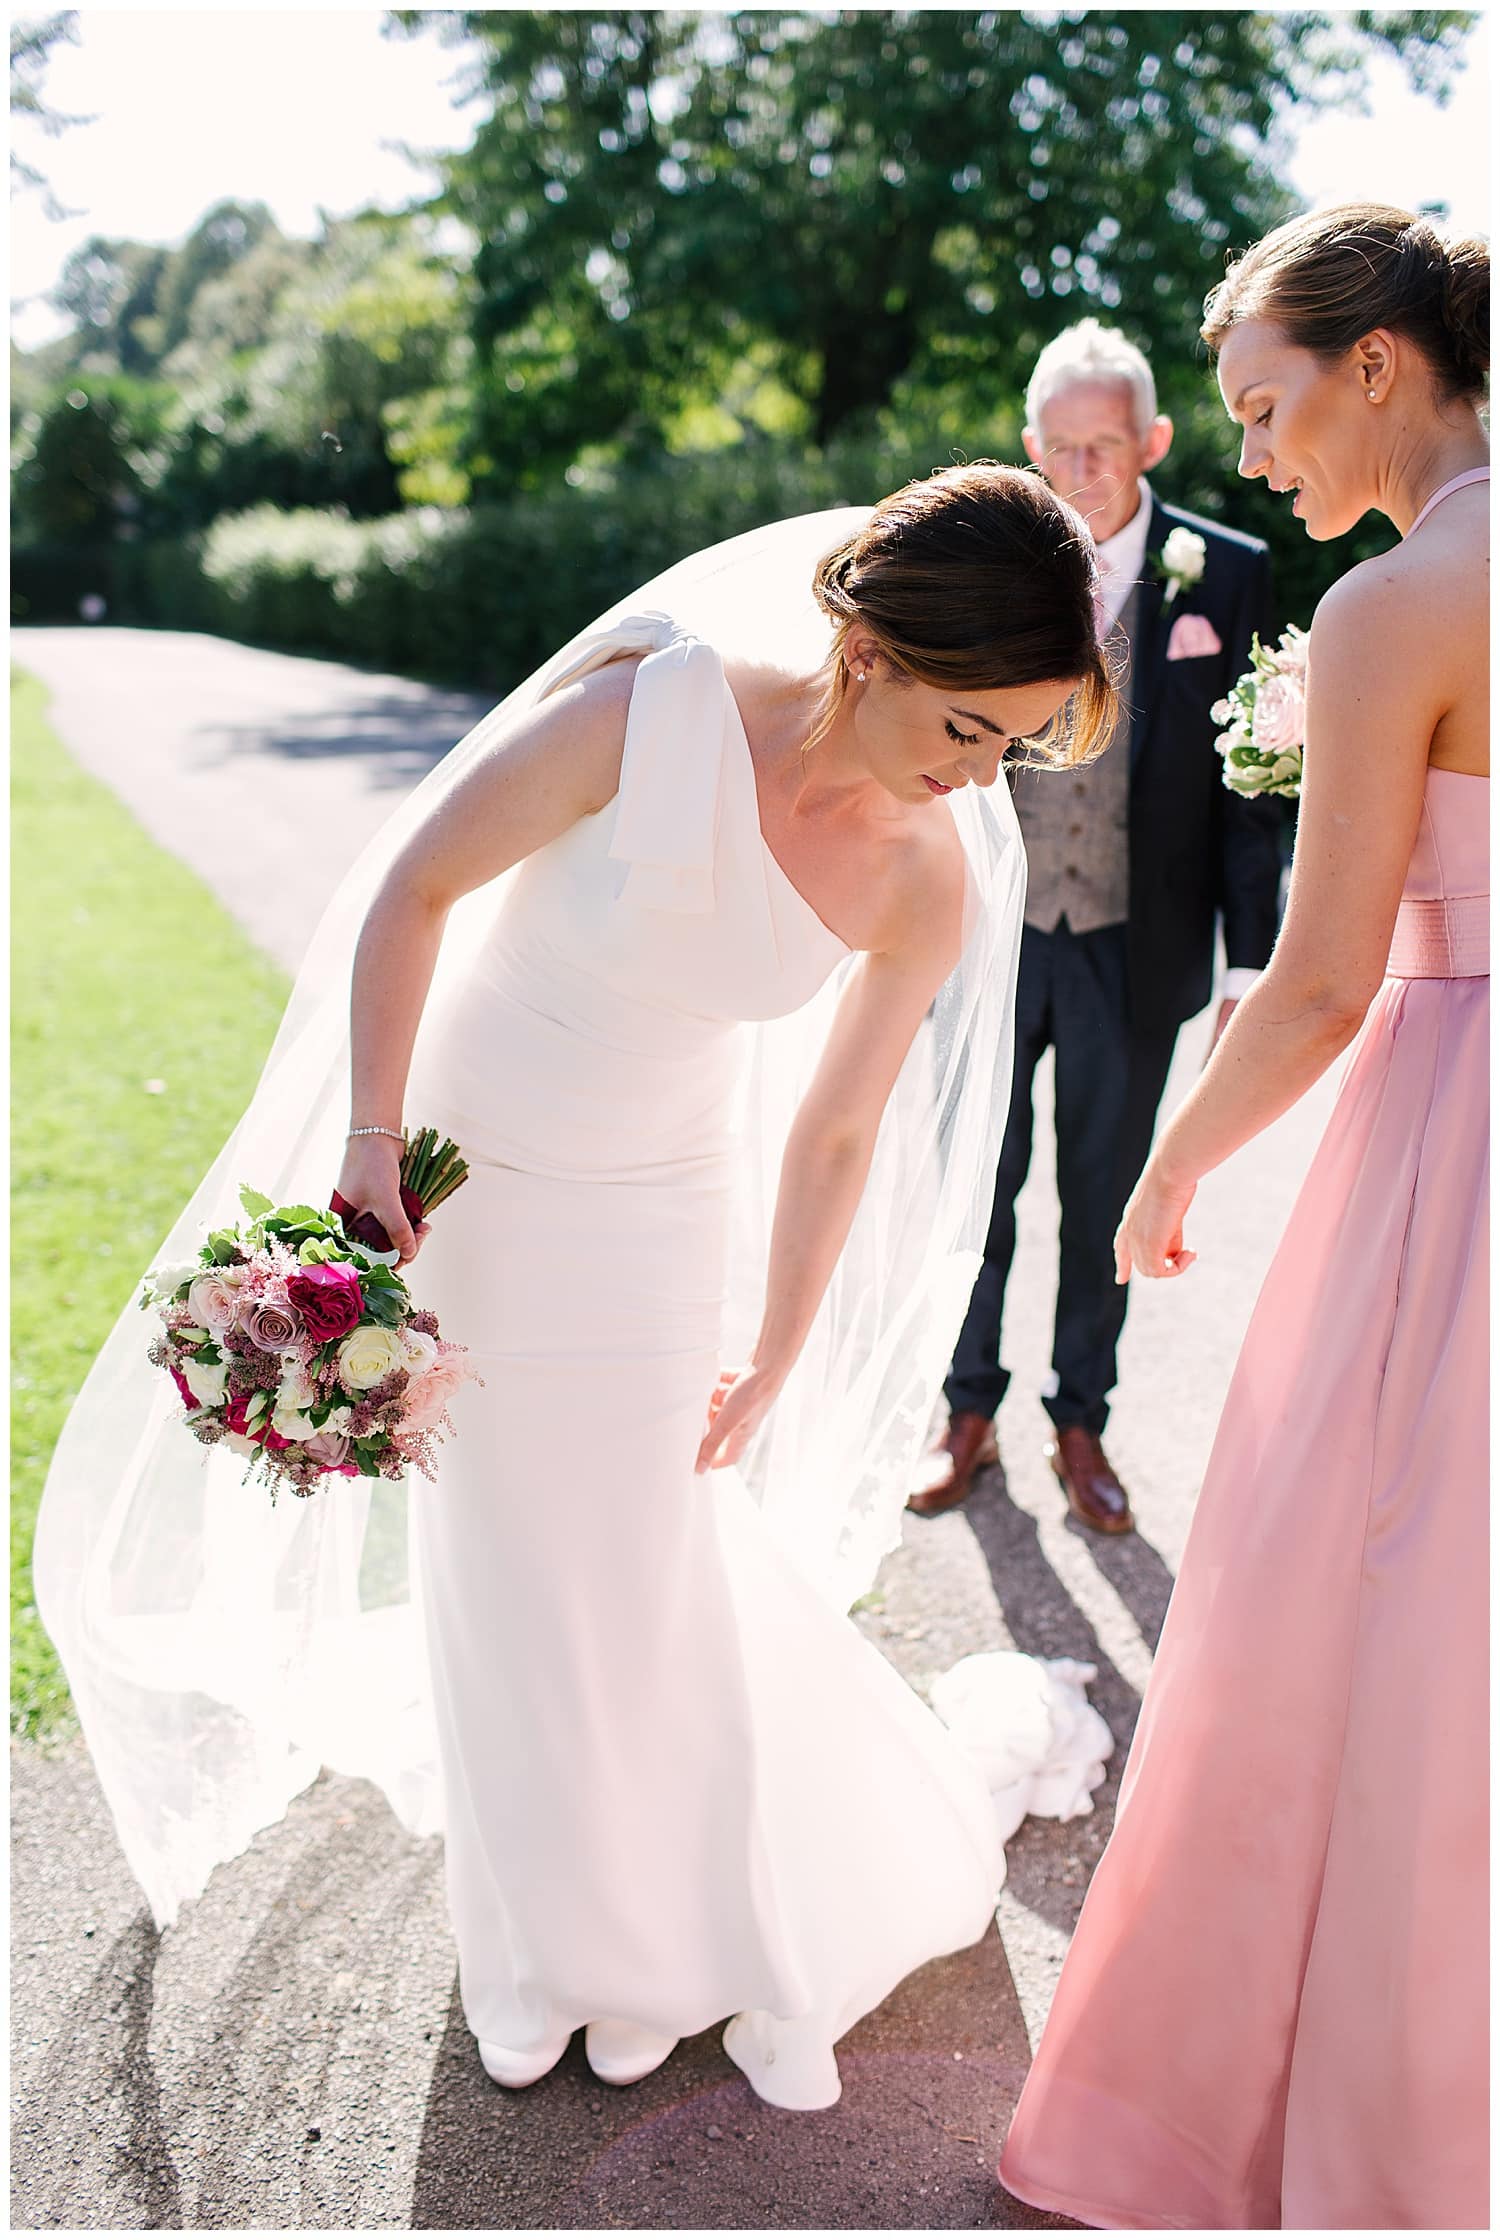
678 1786
675 1783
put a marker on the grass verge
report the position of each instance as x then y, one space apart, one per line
140 1017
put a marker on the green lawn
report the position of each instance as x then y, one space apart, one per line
140 1018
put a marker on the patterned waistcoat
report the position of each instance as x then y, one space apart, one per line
1076 825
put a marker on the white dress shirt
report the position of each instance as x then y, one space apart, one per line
1122 558
1122 562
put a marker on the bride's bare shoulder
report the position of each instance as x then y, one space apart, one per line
922 885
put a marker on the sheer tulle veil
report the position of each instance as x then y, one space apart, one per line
220 1651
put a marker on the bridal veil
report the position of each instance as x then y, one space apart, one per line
221 1650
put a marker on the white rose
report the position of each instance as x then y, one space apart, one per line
1183 555
171 1276
291 1423
206 1382
367 1357
418 1350
297 1389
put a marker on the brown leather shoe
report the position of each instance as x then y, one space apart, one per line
968 1446
1095 1495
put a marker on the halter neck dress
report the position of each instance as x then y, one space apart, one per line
1273 2012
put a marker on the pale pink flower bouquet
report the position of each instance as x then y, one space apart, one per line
1263 718
295 1344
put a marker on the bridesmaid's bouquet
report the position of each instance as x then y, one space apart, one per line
1263 718
293 1341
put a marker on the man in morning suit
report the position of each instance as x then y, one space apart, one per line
1132 861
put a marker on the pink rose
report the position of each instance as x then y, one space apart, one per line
1291 655
328 1298
213 1300
428 1396
1279 715
330 1448
273 1328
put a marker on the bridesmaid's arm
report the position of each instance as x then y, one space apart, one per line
831 1141
1373 704
560 762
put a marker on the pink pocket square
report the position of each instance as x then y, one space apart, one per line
1193 634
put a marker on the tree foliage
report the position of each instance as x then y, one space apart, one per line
887 197
791 241
32 39
245 367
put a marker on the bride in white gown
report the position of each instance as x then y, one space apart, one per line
675 1784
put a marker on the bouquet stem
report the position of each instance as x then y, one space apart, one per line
431 1170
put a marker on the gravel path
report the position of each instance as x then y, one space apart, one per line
291 2055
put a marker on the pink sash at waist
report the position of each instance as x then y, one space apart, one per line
1448 939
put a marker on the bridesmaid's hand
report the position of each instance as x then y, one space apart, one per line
370 1178
1148 1241
739 1405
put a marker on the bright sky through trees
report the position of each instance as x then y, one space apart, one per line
305 109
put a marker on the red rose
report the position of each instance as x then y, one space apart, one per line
183 1386
237 1413
364 1227
328 1298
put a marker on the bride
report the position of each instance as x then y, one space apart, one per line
703 946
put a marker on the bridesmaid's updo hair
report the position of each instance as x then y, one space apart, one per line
975 579
1329 277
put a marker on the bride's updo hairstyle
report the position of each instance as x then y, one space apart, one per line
1334 275
975 579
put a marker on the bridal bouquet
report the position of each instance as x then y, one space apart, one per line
295 1343
1263 718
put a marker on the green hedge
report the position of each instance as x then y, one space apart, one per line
478 596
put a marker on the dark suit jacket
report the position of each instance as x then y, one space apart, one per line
1197 851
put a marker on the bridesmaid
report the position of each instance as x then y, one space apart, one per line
1273 2012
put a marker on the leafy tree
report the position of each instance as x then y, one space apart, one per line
221 238
75 479
31 42
305 373
110 290
359 364
887 196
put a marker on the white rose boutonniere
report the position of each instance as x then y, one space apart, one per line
1181 561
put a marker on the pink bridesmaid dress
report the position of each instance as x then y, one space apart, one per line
1274 2009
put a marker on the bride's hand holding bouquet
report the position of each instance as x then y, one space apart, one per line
370 1184
385 1193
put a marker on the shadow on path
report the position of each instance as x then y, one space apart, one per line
1050 1863
123 2167
400 739
1137 1573
930 2081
